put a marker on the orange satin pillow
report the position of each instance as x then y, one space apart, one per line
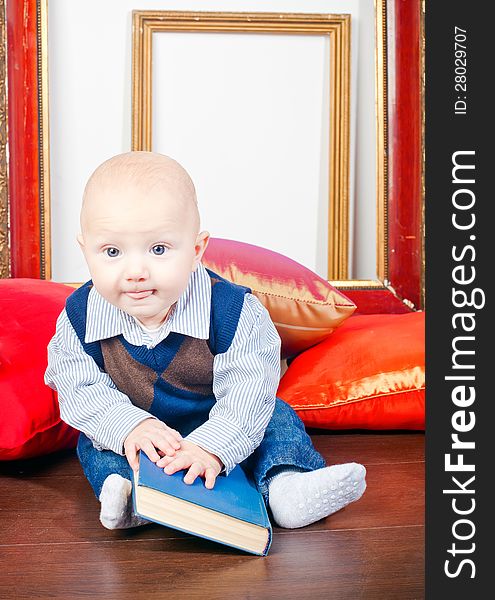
370 374
304 307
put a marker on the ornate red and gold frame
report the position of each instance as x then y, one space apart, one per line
400 134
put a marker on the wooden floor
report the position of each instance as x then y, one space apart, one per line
52 545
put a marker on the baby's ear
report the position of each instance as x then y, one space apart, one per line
80 240
199 247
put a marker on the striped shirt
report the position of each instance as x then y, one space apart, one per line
245 378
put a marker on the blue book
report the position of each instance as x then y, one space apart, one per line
232 513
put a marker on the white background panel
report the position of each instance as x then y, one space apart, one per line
90 52
251 126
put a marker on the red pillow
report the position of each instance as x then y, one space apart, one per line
304 307
30 424
370 374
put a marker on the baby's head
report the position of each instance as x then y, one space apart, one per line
140 233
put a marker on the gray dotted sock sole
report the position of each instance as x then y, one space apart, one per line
299 499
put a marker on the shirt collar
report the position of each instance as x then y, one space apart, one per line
190 317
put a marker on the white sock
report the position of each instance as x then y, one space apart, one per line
297 499
116 504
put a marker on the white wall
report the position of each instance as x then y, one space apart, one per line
251 126
90 120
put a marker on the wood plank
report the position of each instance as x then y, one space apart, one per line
60 464
369 564
394 497
370 448
70 510
336 447
53 545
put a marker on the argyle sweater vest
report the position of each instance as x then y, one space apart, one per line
174 380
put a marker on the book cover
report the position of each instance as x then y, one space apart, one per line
232 513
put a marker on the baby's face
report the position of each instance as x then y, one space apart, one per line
141 248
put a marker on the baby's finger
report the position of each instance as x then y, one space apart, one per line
165 460
131 455
172 441
149 449
165 445
211 477
167 449
178 463
174 433
194 470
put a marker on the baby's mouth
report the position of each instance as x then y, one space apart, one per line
139 295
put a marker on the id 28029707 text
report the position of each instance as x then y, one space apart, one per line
460 71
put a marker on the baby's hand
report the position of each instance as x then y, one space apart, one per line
154 438
196 460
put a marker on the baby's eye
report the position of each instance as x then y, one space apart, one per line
112 252
158 249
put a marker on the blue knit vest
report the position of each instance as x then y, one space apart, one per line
174 380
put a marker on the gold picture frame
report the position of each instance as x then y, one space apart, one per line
400 185
337 27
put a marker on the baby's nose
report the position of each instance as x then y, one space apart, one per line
136 272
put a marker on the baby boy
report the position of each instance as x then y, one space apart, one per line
157 353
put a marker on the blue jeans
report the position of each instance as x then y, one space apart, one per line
285 445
